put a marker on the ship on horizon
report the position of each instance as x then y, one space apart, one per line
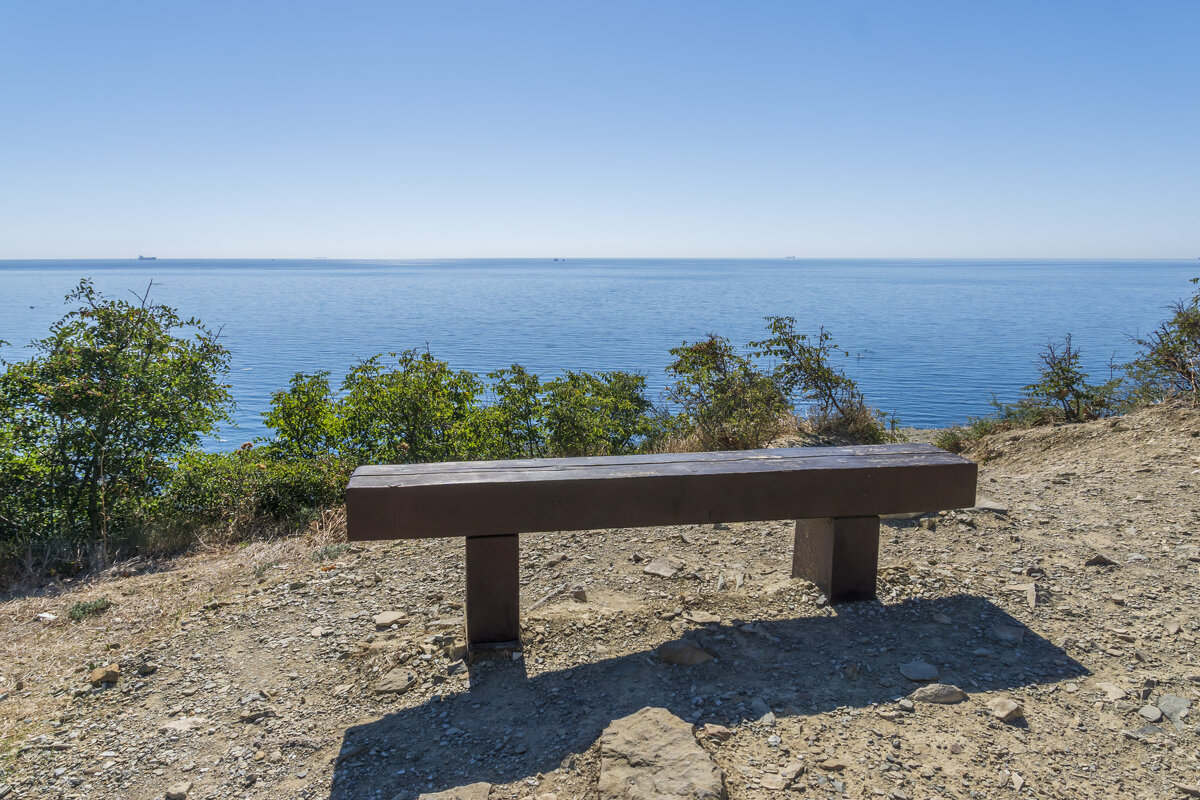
147 258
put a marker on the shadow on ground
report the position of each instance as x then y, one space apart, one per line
510 726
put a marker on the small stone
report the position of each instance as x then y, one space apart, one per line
318 632
1187 788
397 681
663 567
1017 781
1007 634
833 764
106 674
941 693
387 619
683 652
701 617
774 782
941 619
716 732
1173 628
1173 708
183 725
1152 713
984 504
179 791
474 791
1099 560
906 704
919 671
1112 692
1006 709
579 595
928 523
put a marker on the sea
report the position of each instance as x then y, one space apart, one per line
931 341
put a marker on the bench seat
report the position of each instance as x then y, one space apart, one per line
836 494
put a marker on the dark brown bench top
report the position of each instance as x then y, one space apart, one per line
488 498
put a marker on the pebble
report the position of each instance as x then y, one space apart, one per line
919 671
1112 692
179 791
940 693
386 619
1006 709
1151 713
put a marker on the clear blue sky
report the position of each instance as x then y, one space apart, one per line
453 129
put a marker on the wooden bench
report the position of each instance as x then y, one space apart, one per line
836 494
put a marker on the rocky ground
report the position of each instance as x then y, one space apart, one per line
1059 618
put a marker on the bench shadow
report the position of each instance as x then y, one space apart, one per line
509 726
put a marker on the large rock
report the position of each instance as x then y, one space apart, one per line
109 673
474 791
653 755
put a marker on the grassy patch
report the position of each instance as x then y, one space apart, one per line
330 551
82 610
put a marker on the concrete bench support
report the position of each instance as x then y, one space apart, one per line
840 555
493 591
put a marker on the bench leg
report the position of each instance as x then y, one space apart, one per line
493 592
840 556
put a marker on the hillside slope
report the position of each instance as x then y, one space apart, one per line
253 673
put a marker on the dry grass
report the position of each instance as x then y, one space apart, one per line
148 598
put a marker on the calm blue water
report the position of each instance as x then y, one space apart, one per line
930 340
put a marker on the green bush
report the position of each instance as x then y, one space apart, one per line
596 414
249 491
92 421
803 369
81 610
1062 392
1168 364
723 398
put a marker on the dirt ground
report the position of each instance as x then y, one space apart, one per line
252 673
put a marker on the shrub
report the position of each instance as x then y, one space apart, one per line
417 411
81 610
1168 364
590 414
303 417
249 492
516 417
94 418
1062 391
723 398
803 369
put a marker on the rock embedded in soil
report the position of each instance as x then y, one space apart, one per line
939 693
1112 692
654 754
396 681
683 652
919 671
179 791
473 791
109 673
1006 709
1151 713
387 619
1173 708
663 567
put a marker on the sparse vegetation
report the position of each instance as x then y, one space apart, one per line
82 609
99 430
